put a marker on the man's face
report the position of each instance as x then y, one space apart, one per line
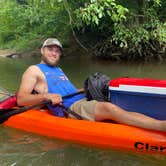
51 55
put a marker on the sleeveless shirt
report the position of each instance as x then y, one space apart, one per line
58 83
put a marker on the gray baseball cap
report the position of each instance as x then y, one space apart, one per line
51 42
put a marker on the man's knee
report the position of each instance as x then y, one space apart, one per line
105 107
104 110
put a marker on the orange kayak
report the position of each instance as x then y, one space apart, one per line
100 134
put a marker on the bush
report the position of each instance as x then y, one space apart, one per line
23 26
124 34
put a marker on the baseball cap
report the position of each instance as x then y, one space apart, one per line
51 42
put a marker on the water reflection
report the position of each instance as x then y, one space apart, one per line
21 148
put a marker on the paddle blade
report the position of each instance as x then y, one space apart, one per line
10 112
4 94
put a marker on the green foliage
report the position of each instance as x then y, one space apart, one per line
135 31
96 13
26 25
160 33
136 28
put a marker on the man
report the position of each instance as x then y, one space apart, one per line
51 83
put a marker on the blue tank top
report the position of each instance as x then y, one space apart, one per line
58 83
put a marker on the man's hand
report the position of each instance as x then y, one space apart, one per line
55 98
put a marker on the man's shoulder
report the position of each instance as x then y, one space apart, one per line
32 70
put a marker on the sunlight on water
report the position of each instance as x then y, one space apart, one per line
18 148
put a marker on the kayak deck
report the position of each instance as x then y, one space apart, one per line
100 134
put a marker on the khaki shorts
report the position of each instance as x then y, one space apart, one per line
84 108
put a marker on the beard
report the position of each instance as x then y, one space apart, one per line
49 62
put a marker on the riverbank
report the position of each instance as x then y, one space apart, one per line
9 53
67 51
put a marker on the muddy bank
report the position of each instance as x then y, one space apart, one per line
15 54
7 53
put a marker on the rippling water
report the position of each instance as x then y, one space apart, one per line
18 148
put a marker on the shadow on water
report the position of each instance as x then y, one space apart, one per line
24 149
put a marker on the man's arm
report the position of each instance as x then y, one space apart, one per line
81 90
28 82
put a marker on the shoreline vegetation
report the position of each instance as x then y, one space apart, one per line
108 29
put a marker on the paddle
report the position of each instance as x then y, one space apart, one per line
4 115
10 112
4 94
69 111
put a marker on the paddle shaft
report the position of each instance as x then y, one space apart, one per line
7 94
69 111
6 114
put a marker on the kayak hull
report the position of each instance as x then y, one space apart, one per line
99 134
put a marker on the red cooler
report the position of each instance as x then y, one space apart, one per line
146 96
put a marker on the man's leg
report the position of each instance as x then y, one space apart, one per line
105 110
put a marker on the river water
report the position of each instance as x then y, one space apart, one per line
18 148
